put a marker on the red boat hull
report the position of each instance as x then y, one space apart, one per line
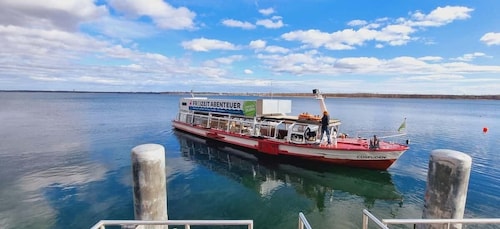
347 152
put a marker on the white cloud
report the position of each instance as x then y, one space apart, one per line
373 26
441 16
118 51
210 72
267 11
260 45
312 37
101 80
296 63
217 67
134 67
463 67
313 63
248 71
40 43
357 23
348 38
273 23
257 44
71 58
205 45
238 24
469 56
340 40
395 35
407 65
436 77
431 58
384 30
276 49
228 60
491 39
359 64
163 14
353 38
48 78
50 14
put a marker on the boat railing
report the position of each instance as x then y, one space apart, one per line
446 223
232 123
381 134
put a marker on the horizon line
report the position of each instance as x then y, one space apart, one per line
283 94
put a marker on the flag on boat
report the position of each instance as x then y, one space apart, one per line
402 126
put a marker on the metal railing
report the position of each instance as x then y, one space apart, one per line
303 222
186 223
445 222
367 216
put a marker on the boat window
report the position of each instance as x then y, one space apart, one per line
298 128
282 130
189 118
266 129
233 127
183 117
218 123
200 120
247 127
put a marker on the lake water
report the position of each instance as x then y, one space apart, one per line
65 162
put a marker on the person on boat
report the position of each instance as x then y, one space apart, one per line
325 120
374 143
334 137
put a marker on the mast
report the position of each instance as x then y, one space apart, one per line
321 100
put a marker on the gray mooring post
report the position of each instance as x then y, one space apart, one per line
150 189
447 183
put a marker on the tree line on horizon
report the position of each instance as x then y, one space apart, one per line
290 94
347 95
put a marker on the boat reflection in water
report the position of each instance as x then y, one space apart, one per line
265 175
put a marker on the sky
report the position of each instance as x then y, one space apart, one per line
337 46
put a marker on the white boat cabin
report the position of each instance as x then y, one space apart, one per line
262 118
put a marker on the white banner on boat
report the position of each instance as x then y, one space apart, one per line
239 107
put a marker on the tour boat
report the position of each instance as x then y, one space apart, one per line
264 126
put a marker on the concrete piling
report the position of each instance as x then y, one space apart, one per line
447 184
149 178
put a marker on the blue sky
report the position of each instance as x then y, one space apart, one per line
409 47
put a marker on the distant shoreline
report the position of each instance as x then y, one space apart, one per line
328 95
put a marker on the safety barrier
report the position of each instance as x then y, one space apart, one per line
445 222
303 222
186 223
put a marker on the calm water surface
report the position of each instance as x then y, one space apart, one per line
65 162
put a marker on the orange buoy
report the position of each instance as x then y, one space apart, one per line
485 129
